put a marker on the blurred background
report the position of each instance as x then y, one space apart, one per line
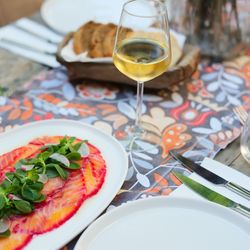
10 10
216 26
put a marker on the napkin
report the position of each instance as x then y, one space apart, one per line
69 55
45 59
223 171
38 30
31 40
16 35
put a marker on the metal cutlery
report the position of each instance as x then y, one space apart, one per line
241 114
212 195
210 176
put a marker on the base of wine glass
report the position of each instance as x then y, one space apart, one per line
146 132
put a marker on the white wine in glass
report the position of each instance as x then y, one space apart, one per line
141 59
142 48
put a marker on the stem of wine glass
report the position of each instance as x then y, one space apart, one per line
140 87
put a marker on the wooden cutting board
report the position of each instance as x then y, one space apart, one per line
109 73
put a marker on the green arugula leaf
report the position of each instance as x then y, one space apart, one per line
16 182
23 206
74 156
5 184
33 175
51 173
74 165
40 198
63 141
78 145
71 148
37 186
62 150
30 192
2 201
63 173
10 175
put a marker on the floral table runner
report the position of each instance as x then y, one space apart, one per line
194 117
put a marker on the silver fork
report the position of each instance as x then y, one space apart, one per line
241 114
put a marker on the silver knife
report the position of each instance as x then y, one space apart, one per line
212 195
210 176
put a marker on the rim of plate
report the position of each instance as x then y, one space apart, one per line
45 5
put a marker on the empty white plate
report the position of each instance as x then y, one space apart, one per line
167 223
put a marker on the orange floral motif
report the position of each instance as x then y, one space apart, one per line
223 137
166 191
246 71
15 102
106 108
173 137
208 69
50 98
160 180
246 101
83 109
14 114
174 179
161 187
197 86
5 108
29 109
96 91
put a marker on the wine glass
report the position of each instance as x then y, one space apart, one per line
142 49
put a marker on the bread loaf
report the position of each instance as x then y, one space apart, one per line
98 40
82 37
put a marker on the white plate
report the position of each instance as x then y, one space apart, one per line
67 15
167 223
116 172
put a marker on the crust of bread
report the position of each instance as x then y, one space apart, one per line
99 39
109 42
98 36
82 37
